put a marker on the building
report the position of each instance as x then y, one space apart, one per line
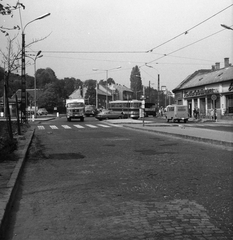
30 101
208 89
105 94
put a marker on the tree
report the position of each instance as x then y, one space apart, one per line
45 76
70 84
90 95
136 82
7 9
49 98
110 81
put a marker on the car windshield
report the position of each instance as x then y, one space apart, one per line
72 105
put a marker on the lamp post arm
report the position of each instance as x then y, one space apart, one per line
41 17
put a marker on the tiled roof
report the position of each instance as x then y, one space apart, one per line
100 92
200 79
122 88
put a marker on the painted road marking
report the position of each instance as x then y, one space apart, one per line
53 127
91 126
66 126
78 126
105 126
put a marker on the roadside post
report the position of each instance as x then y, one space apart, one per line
214 98
143 109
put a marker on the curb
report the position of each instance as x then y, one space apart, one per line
13 184
199 139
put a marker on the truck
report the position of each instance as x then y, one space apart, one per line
176 113
75 109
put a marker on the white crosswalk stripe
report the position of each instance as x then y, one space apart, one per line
91 126
115 125
105 126
41 127
78 126
66 126
53 127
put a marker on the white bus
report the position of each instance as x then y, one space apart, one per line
127 108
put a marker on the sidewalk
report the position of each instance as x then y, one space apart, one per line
9 174
181 130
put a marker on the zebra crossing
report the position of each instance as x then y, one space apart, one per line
76 126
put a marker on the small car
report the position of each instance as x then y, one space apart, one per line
90 110
42 111
109 114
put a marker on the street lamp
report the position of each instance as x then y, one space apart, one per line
158 81
164 89
23 76
106 70
34 59
227 27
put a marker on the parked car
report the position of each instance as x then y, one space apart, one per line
42 111
90 110
109 114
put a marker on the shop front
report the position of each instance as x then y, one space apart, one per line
202 100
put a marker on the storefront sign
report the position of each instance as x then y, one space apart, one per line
199 92
213 97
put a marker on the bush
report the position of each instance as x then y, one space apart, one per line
7 145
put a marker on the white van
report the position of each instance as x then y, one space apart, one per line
177 113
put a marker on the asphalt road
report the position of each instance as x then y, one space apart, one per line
91 180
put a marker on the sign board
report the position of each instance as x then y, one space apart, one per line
213 97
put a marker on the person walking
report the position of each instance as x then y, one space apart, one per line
212 113
194 113
215 115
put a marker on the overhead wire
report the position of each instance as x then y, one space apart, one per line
151 50
165 55
186 32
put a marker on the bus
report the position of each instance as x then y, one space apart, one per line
128 108
150 109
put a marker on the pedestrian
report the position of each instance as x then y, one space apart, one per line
194 113
215 115
161 111
212 113
197 113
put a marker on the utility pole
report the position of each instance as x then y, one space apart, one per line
149 92
158 89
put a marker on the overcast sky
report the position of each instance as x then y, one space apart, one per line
105 34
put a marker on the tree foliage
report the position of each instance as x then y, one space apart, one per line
90 94
7 9
136 82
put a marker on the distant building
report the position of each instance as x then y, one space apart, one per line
30 100
207 89
105 94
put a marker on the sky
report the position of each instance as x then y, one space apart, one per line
169 38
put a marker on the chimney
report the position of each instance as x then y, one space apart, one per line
226 62
217 65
